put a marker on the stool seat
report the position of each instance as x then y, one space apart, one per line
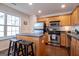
25 42
15 40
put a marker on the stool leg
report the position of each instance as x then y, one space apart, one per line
25 50
18 50
9 48
22 49
32 50
15 48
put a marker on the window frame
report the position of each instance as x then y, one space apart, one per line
5 25
13 25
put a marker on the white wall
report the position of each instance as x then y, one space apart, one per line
24 17
11 11
33 20
4 44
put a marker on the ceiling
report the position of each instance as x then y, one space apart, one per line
47 8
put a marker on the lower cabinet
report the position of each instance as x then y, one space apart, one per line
64 40
77 48
74 47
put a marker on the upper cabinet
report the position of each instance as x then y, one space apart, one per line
48 19
54 18
64 20
41 20
75 17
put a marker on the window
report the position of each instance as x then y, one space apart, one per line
13 25
9 25
1 31
2 15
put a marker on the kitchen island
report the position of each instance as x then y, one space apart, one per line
39 40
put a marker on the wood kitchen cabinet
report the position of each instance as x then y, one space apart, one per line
75 17
64 40
77 48
52 18
65 20
41 19
73 46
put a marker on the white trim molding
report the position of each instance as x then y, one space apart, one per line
57 14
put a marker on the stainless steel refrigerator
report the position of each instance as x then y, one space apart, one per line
39 27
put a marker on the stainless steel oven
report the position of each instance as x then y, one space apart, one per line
54 32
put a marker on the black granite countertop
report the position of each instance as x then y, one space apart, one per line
31 34
76 36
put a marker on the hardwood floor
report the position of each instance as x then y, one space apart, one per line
49 51
55 51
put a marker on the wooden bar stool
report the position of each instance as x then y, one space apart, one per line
13 47
26 45
20 49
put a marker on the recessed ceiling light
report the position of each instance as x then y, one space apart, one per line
39 11
30 3
63 6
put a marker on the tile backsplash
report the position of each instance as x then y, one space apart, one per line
70 28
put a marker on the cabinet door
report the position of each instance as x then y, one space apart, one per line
78 16
72 19
77 48
75 17
63 42
73 47
67 40
64 20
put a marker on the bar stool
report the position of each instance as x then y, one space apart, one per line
20 49
26 45
13 47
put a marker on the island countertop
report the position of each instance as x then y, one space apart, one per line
31 34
